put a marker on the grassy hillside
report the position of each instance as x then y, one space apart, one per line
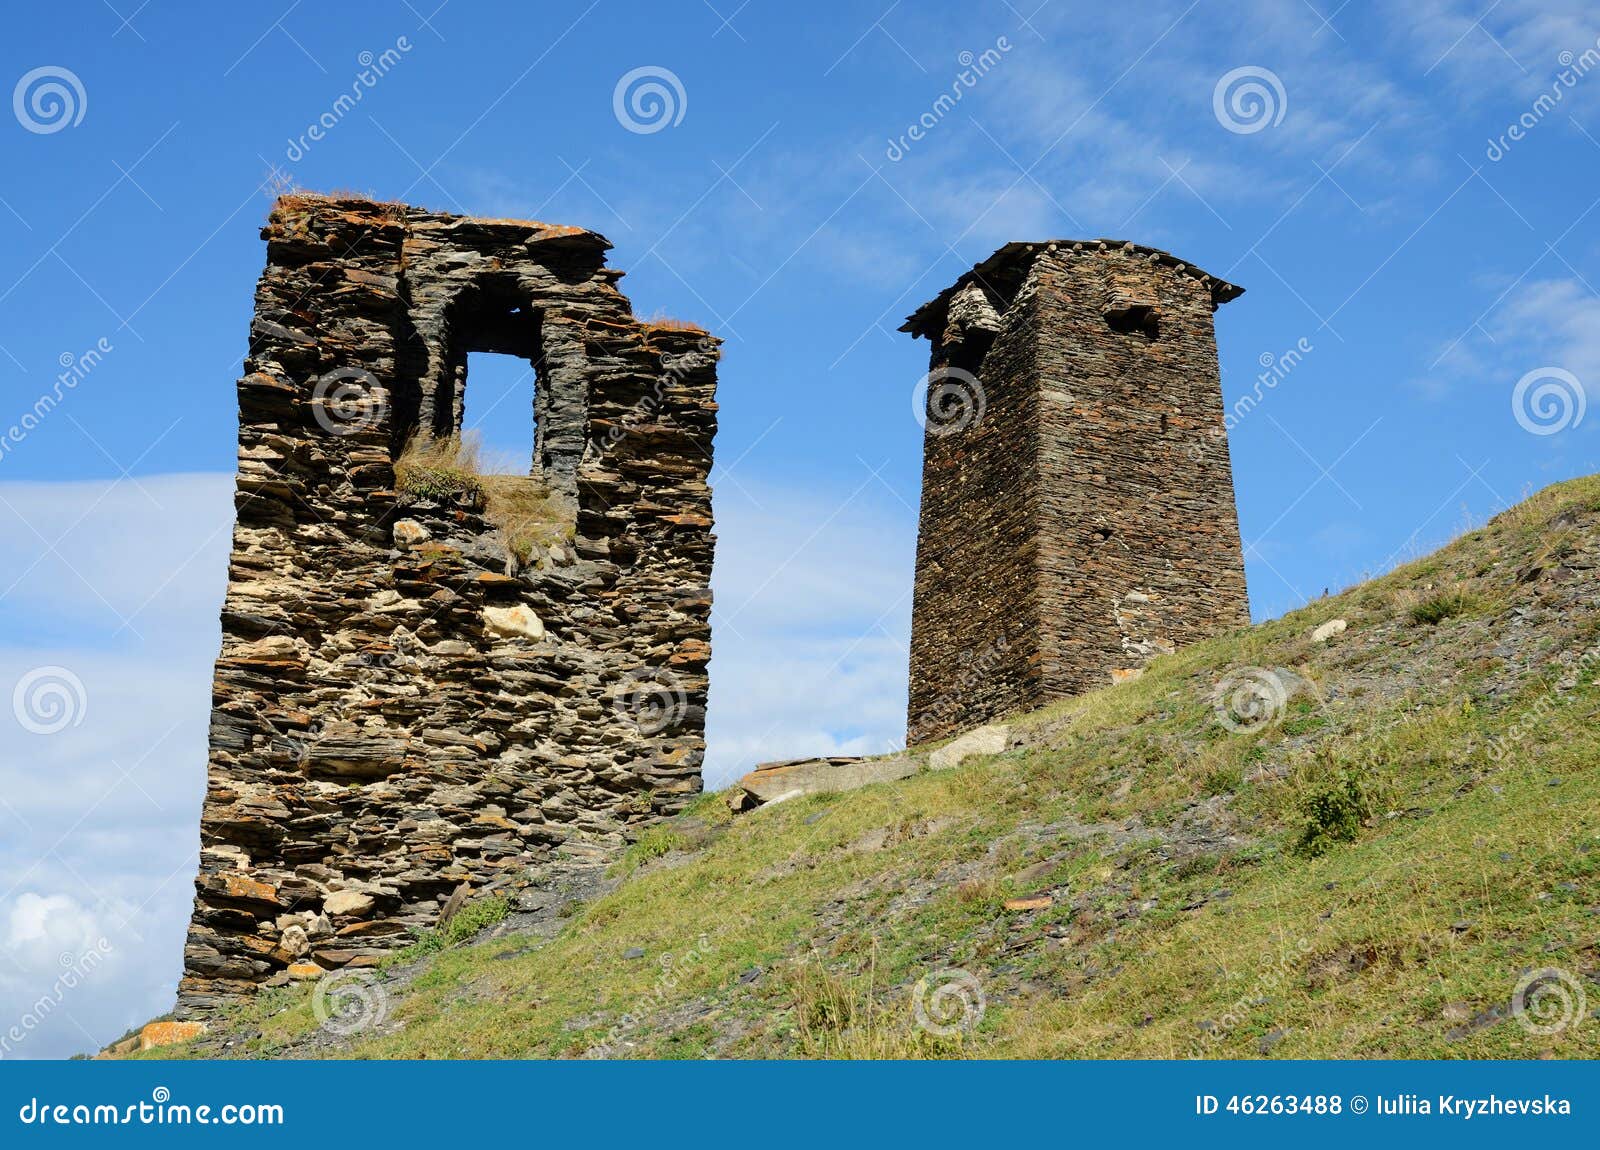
1362 861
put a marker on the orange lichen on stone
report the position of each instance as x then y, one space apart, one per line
302 198
243 886
1030 902
169 1034
691 653
547 229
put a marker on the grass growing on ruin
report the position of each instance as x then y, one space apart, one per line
1372 873
475 916
452 471
661 321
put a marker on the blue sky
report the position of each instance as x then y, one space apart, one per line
1364 189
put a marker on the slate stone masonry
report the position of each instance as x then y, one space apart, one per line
1077 498
402 704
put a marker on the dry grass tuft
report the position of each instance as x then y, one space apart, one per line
837 1015
527 513
441 470
663 322
342 195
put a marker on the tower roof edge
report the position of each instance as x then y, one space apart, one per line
1003 272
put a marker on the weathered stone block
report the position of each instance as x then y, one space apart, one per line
989 740
775 782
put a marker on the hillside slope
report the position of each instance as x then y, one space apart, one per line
1388 832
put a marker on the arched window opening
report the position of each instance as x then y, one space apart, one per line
490 428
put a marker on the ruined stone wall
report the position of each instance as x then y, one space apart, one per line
1087 517
406 701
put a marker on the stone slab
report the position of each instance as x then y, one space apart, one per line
992 739
774 782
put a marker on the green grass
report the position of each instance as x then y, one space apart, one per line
1436 609
1335 813
1369 876
475 916
440 485
653 842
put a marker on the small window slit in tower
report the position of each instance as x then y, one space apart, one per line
1135 319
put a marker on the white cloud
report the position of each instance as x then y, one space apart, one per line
1484 49
1535 324
99 821
124 561
813 615
99 829
1557 321
53 924
69 975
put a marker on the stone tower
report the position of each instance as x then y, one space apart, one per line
429 679
1077 500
